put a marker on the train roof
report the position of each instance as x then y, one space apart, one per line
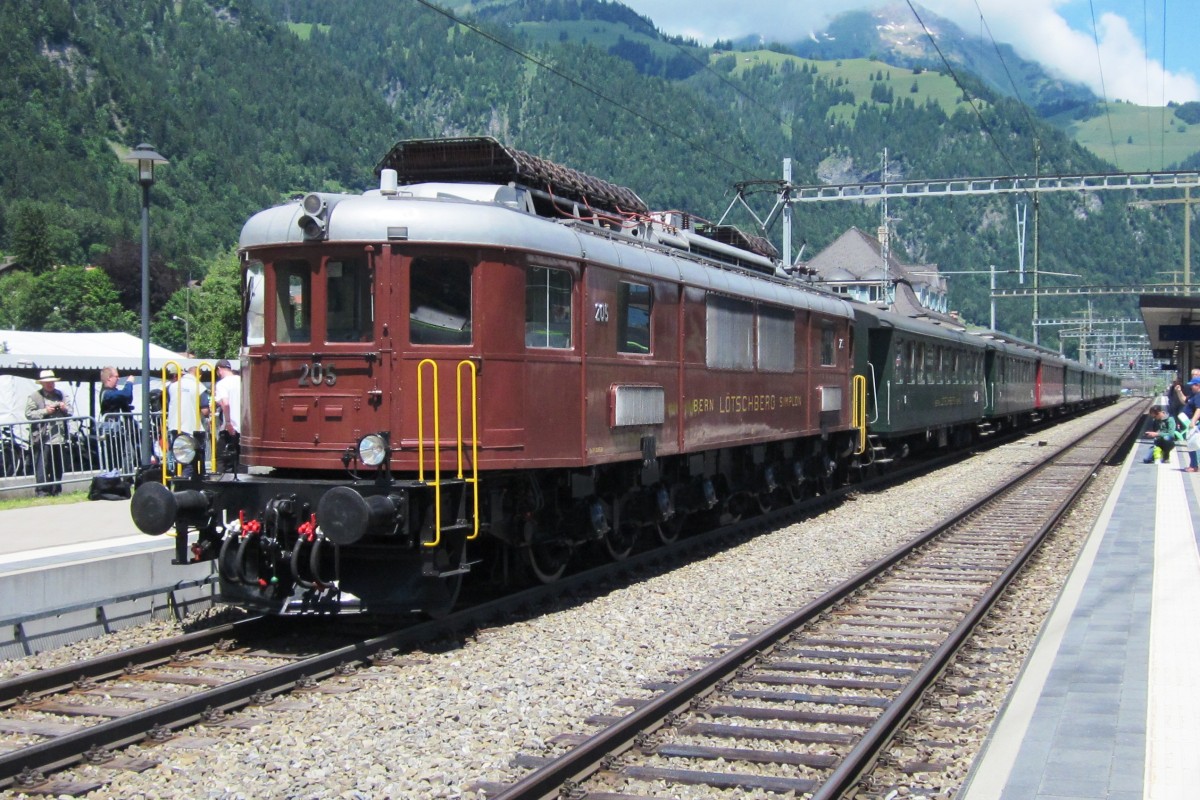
884 318
504 216
996 340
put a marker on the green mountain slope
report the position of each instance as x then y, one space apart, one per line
255 100
1136 138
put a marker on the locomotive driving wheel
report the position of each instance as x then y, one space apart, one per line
546 555
620 536
619 541
667 532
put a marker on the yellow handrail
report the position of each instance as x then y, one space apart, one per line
437 449
859 412
473 372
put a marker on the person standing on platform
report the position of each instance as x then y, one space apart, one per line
1191 410
228 396
1180 392
117 427
47 438
183 413
114 400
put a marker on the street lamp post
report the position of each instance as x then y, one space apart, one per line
145 158
187 334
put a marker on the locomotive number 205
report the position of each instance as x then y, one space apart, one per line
316 373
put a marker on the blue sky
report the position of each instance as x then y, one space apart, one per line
1128 64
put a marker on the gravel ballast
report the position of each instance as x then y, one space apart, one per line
438 722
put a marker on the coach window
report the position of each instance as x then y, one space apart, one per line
293 301
828 349
634 304
439 298
348 313
547 308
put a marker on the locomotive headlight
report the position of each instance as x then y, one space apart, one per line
372 449
314 204
184 448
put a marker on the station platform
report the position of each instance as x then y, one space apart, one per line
73 570
1108 704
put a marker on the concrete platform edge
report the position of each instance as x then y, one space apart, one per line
991 770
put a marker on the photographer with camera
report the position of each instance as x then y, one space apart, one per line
47 439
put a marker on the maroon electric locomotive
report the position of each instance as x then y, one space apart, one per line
494 361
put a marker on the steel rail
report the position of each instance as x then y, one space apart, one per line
589 756
69 748
863 755
42 682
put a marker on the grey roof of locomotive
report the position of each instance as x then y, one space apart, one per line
491 215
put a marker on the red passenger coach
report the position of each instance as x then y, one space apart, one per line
494 362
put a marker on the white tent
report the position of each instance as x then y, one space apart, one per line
77 359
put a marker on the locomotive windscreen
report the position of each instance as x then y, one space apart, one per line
483 159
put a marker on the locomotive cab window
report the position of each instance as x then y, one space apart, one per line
439 301
634 304
547 308
348 312
254 304
293 302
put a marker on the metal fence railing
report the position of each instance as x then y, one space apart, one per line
48 454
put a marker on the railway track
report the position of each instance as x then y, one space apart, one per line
808 705
82 711
87 711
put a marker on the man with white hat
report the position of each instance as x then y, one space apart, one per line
47 438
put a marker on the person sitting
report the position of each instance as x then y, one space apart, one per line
1165 431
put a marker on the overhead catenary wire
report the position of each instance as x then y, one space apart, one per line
576 82
1146 70
970 100
708 68
1013 83
1162 125
1103 90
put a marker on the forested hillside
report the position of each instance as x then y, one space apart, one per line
256 100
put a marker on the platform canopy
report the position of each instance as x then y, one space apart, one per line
1173 325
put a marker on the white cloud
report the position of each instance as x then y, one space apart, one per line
1034 28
